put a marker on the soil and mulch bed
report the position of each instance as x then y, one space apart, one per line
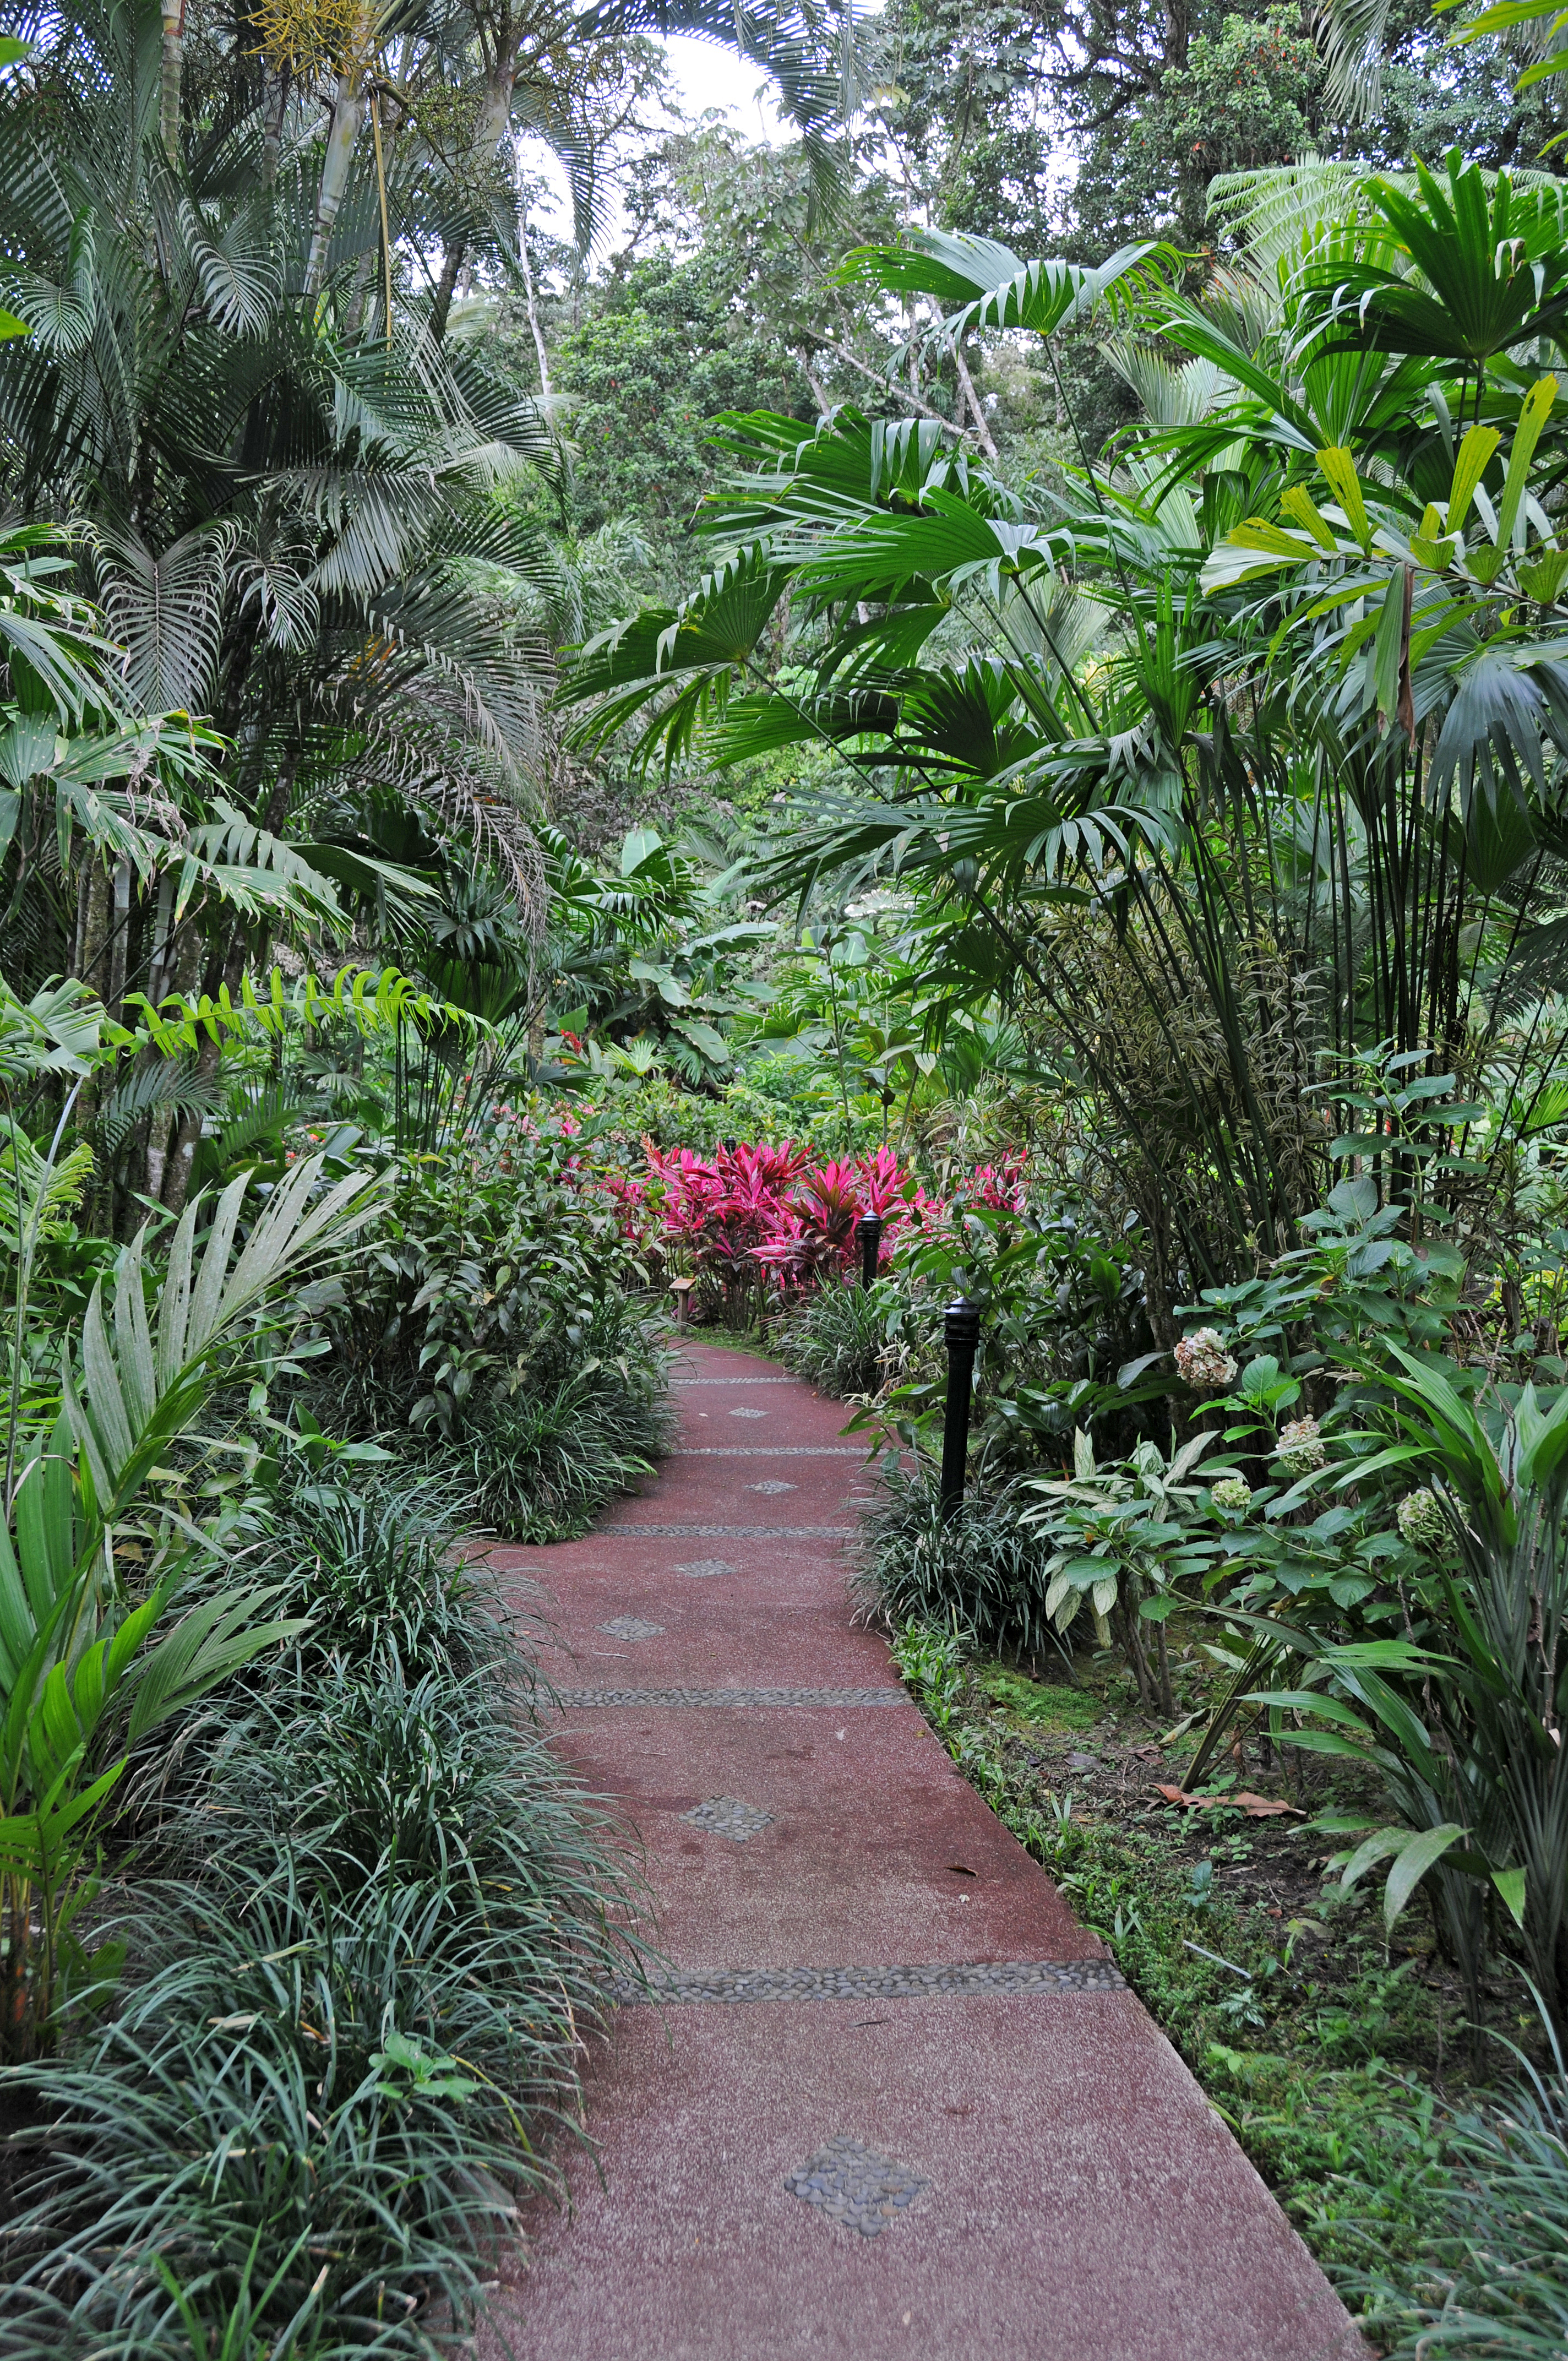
1336 2054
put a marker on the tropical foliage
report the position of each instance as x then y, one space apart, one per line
1088 796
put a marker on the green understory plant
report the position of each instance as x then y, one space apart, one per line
1120 1539
88 1667
839 1341
1494 2279
984 1571
1466 1729
381 1922
584 1414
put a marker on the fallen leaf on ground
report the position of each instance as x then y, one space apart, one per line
957 1870
1256 1808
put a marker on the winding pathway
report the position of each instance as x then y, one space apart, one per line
899 2103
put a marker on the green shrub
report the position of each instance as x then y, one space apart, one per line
985 1573
355 1998
548 1454
839 1341
498 1256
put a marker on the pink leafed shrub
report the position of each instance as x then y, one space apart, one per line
745 1214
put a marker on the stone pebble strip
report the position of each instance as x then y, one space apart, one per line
735 1381
1006 1979
578 1700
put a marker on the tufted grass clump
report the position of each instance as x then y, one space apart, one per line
985 1572
838 1342
348 2042
549 1451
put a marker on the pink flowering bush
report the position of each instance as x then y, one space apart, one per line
754 1217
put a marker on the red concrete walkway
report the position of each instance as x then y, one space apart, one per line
1015 2167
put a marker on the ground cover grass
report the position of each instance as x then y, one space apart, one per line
368 1921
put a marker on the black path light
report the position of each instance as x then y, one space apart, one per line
869 1231
961 1327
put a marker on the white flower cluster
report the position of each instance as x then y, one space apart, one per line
1421 1520
1300 1447
1233 1493
1201 1360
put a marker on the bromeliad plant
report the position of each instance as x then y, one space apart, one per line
88 1669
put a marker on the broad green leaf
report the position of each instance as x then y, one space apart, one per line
1255 548
1534 412
1339 469
1416 1857
1367 1854
1470 465
1297 502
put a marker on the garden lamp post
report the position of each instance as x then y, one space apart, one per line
960 1327
869 1231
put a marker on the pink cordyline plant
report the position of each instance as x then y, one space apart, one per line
746 1212
752 1215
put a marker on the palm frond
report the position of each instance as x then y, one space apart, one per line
166 611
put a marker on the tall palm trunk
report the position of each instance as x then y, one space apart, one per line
488 132
348 108
173 68
534 329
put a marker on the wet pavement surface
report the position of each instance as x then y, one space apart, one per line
896 2100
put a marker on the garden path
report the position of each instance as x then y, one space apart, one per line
883 2017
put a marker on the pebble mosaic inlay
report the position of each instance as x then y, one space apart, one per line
632 1627
725 1532
771 1451
735 1381
582 1699
699 1568
748 1413
1005 1980
771 1485
855 2186
727 1816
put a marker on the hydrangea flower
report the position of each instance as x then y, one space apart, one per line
1233 1493
1421 1520
1203 1362
1300 1446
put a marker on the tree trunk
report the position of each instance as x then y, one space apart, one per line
277 99
818 392
92 925
161 955
173 68
277 810
172 968
982 426
451 263
119 941
182 1151
347 109
534 329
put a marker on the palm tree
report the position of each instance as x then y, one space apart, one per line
1240 776
289 527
